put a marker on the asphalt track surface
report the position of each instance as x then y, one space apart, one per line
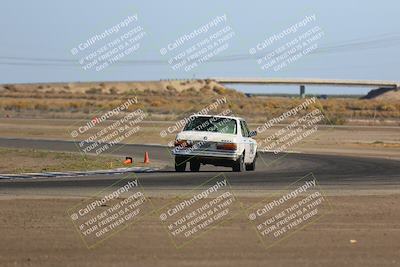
272 171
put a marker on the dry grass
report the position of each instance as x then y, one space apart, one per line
172 100
33 160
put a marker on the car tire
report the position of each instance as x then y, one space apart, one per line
194 165
251 166
180 164
238 165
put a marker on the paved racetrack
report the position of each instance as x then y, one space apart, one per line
272 171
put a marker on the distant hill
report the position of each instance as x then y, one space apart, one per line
383 94
119 87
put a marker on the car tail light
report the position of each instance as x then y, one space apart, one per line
227 146
182 143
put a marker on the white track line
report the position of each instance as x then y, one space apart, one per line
76 173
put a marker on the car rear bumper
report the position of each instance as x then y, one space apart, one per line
207 154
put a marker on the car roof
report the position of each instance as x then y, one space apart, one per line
218 116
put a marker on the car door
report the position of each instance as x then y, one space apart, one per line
249 143
245 141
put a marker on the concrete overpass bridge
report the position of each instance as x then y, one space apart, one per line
311 81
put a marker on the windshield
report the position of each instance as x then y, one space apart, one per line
212 124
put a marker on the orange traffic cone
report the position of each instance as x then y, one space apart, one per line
146 157
128 160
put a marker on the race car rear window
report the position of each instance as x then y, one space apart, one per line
212 124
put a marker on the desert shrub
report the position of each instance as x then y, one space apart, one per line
334 119
131 92
171 88
191 91
205 90
93 91
156 103
41 106
386 107
220 90
113 91
10 88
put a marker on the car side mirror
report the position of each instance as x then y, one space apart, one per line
252 133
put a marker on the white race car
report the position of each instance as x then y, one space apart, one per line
216 140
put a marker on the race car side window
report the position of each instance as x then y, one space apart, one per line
245 132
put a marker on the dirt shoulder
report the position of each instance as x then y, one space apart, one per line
33 160
358 231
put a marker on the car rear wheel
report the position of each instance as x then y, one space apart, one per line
180 164
194 165
238 165
251 166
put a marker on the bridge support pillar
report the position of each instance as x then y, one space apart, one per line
302 91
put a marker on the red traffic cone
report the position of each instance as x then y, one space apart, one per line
146 157
128 160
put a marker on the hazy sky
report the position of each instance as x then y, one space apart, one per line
361 39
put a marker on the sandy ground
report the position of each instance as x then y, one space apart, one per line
38 232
